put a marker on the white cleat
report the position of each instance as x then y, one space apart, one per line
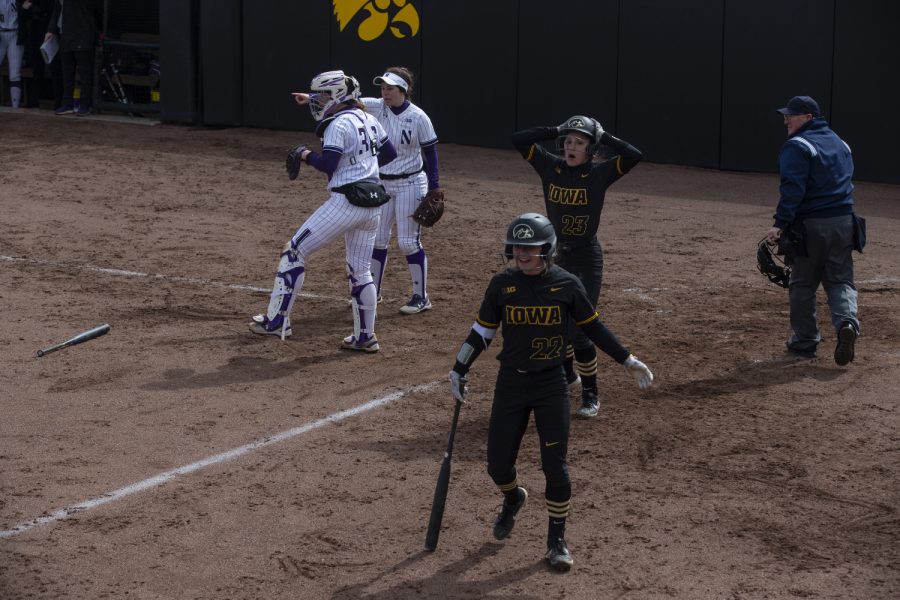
416 305
351 343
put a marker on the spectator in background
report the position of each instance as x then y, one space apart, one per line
34 18
75 23
11 49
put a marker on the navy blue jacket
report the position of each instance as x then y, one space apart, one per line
816 169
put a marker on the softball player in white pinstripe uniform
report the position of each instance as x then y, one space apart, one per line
354 144
407 179
9 47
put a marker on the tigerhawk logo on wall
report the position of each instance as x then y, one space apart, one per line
400 16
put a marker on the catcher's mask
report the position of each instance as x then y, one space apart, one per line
531 229
771 265
585 126
329 89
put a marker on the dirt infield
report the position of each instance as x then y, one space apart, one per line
180 456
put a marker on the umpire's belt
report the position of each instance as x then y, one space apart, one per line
388 177
573 246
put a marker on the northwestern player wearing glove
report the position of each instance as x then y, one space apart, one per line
574 189
534 301
411 177
354 145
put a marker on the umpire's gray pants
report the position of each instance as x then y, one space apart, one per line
829 243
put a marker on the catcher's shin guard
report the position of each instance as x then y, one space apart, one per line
365 305
288 281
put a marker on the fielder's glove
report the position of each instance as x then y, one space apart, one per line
639 371
293 161
430 209
459 386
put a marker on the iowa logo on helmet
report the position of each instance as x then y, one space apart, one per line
398 15
523 232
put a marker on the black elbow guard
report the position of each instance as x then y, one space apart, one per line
474 345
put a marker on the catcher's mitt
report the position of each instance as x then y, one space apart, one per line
770 265
293 161
430 209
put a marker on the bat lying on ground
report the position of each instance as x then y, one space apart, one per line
440 490
81 337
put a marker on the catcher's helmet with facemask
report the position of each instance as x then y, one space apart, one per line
770 265
531 229
330 89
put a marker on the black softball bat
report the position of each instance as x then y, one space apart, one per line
78 339
440 490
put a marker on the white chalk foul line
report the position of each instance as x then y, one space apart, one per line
158 480
173 278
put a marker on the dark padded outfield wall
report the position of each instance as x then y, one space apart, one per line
866 85
134 16
221 62
670 67
285 45
178 60
364 44
767 60
567 62
469 70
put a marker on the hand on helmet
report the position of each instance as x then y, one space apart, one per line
459 386
639 371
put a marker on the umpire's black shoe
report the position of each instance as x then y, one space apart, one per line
846 344
802 352
507 517
590 404
558 555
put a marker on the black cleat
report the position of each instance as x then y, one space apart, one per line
846 344
558 555
507 517
590 404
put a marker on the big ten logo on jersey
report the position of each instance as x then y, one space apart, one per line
533 315
375 17
509 290
569 196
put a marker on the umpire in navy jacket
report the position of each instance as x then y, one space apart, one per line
816 214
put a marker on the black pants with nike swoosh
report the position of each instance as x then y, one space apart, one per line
516 396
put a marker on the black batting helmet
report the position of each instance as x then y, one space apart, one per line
585 126
531 229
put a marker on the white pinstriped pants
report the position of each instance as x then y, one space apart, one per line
338 217
406 194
